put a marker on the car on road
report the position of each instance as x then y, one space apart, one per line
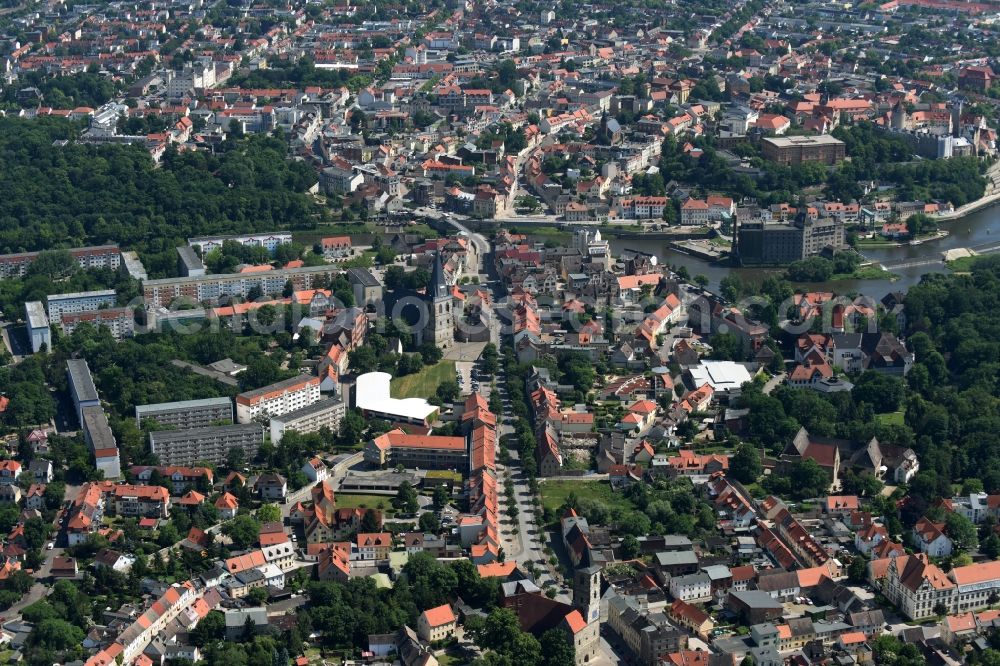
50 545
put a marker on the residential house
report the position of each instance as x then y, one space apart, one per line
437 624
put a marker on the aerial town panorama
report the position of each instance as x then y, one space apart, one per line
499 333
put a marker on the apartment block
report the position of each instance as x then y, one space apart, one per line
423 451
187 414
799 149
782 242
99 256
120 321
161 293
277 399
38 326
210 445
81 386
270 240
181 478
101 441
81 301
146 501
326 413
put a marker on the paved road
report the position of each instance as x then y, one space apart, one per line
773 382
38 591
526 541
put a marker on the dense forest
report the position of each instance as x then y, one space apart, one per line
63 92
300 74
77 194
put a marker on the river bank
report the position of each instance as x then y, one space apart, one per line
875 244
969 208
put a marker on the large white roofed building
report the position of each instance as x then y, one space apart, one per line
724 376
372 396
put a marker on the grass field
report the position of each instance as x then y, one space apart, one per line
892 418
962 265
866 273
554 493
348 501
424 383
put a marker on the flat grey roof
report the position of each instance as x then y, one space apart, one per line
315 408
813 140
181 404
167 436
95 421
189 257
205 372
82 382
83 294
676 557
72 250
36 314
275 274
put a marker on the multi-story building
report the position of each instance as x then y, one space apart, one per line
100 256
648 635
101 441
642 208
120 321
367 288
189 264
147 501
176 600
270 240
277 399
424 451
762 242
210 445
10 471
798 149
82 301
372 548
191 78
38 326
436 624
693 587
161 293
133 265
85 514
186 414
920 589
326 413
181 478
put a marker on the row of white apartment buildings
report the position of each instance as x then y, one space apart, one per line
196 288
277 399
269 240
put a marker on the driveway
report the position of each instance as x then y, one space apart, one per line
773 382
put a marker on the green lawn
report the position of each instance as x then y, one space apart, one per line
452 657
424 383
554 493
962 265
892 418
349 501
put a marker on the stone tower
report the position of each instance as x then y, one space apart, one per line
441 325
587 592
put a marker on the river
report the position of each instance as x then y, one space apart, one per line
977 228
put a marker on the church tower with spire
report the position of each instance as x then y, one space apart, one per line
441 324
